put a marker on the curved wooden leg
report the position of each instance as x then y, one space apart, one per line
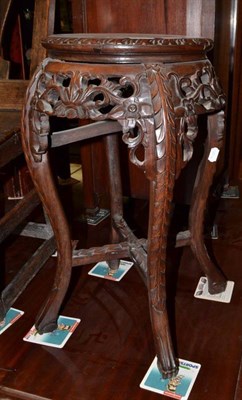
160 201
216 280
161 193
47 318
160 164
42 177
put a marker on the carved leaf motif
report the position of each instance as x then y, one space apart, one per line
187 134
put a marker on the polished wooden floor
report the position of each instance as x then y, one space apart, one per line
111 350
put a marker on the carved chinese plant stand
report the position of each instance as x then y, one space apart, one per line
152 89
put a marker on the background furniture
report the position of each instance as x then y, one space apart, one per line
11 98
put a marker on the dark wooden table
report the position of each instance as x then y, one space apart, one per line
154 89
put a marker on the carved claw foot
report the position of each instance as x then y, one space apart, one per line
167 363
168 372
215 287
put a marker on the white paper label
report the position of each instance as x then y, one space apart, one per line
213 155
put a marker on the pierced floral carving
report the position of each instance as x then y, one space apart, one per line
77 94
137 101
196 93
74 94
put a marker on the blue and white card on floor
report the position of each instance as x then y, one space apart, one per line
202 292
12 316
101 270
179 387
57 338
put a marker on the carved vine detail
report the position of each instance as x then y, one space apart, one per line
82 40
74 94
188 130
77 94
194 94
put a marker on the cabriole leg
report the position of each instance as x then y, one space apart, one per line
40 171
207 168
160 202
